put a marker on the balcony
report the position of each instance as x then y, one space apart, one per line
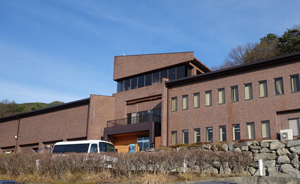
134 120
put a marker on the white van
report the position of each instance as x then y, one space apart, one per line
88 146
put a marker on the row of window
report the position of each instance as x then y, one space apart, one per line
262 86
265 131
144 116
153 78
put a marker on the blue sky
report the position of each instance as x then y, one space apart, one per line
64 50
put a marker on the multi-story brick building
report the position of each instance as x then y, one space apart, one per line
165 99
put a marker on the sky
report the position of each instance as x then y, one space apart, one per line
58 50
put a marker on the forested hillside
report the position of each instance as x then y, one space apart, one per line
8 108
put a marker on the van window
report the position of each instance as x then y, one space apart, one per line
104 147
78 148
94 148
59 149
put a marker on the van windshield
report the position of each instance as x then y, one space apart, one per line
105 147
71 148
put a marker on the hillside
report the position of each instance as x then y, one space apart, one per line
8 108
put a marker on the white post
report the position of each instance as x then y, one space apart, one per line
184 166
37 164
260 167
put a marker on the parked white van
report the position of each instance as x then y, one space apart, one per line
87 146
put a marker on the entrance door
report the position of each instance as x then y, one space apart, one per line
143 143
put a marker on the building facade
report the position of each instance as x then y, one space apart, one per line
166 99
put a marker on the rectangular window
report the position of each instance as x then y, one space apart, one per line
155 79
222 133
120 86
208 98
294 125
141 81
209 134
234 94
248 91
295 86
265 129
163 74
250 131
174 104
174 138
196 135
180 72
185 136
148 79
185 103
278 86
171 73
221 96
263 90
134 83
236 132
127 85
196 100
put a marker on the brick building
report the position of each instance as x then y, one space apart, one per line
165 99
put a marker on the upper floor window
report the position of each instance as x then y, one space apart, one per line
185 104
236 132
248 91
234 94
263 89
221 96
295 86
278 86
208 98
153 78
174 104
196 100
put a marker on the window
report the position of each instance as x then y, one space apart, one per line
221 96
185 104
196 100
196 135
265 129
234 94
171 73
278 86
174 138
209 134
208 98
155 79
180 72
263 90
148 79
236 132
295 87
141 81
222 133
185 136
94 148
174 104
163 74
248 91
134 83
294 125
250 131
127 85
120 86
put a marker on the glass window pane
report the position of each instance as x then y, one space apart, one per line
82 148
120 86
185 102
141 81
294 125
196 100
174 104
196 135
222 133
163 74
221 96
171 73
250 131
234 94
174 138
181 72
185 136
279 86
70 148
248 91
263 91
209 134
133 83
236 132
295 87
127 85
59 149
208 98
155 78
148 79
93 149
265 129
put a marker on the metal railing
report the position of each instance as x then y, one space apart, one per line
134 120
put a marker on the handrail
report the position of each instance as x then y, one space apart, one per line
134 120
